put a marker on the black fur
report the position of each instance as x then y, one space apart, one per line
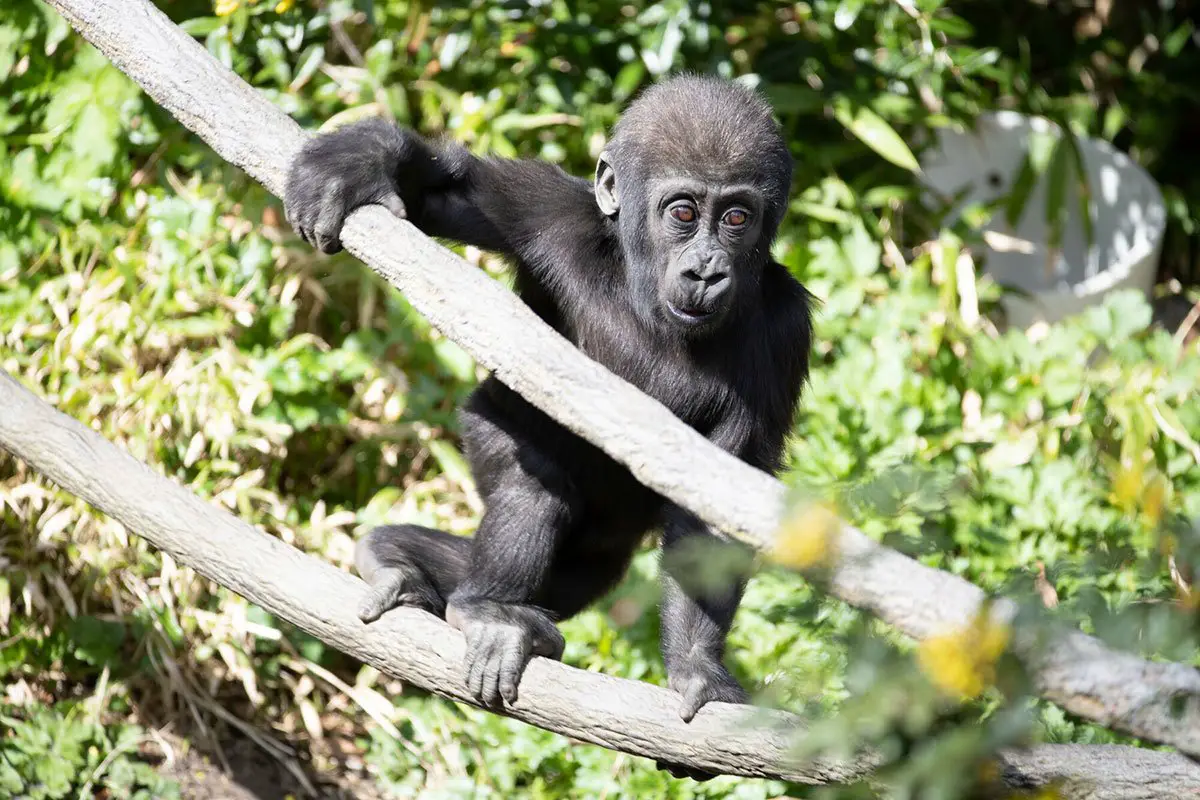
693 311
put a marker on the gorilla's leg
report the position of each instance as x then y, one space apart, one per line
498 605
408 565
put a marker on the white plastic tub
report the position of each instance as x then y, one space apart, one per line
1126 207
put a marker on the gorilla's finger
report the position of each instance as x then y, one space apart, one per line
300 216
479 649
491 673
329 220
515 657
394 204
693 700
681 771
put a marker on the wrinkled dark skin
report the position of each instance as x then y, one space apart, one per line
659 269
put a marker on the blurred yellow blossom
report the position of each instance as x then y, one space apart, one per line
963 662
808 537
1127 485
226 7
1133 487
1047 793
284 5
1154 498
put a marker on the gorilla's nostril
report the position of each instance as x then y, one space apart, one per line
716 279
692 275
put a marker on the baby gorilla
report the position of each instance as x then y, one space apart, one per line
661 271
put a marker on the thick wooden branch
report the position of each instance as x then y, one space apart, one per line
1155 701
619 714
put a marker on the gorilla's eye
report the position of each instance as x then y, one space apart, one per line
735 218
684 212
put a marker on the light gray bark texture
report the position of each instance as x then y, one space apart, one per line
620 714
1158 702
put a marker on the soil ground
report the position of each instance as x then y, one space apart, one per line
253 775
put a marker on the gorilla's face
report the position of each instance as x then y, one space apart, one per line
697 182
695 243
701 235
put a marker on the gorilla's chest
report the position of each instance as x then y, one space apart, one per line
696 390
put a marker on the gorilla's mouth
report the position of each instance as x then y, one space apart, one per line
690 316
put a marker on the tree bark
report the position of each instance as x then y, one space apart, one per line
1156 701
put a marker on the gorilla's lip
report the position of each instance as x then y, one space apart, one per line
691 316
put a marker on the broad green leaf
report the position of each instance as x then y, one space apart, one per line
862 251
1175 41
310 61
824 213
1039 152
1057 178
1114 120
202 26
876 133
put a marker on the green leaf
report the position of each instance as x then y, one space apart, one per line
1114 120
791 98
220 47
862 251
1082 186
96 641
824 213
202 26
1039 152
876 133
1173 44
1056 193
310 61
452 462
847 12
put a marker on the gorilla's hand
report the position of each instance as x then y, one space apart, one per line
336 173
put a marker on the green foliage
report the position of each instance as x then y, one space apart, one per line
156 293
46 754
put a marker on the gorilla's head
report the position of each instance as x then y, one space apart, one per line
697 178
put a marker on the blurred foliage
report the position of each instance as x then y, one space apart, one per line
155 292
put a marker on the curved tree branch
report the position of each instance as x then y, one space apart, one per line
1155 701
616 713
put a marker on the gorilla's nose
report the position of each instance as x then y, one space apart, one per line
710 277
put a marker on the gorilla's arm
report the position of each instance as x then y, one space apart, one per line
511 207
703 579
703 576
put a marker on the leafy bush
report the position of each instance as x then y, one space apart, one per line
47 755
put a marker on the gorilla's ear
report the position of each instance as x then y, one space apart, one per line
606 186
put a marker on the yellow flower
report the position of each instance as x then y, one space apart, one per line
1154 497
284 5
1048 793
1127 485
962 663
1134 488
226 7
808 538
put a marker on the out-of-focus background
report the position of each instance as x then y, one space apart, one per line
156 293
